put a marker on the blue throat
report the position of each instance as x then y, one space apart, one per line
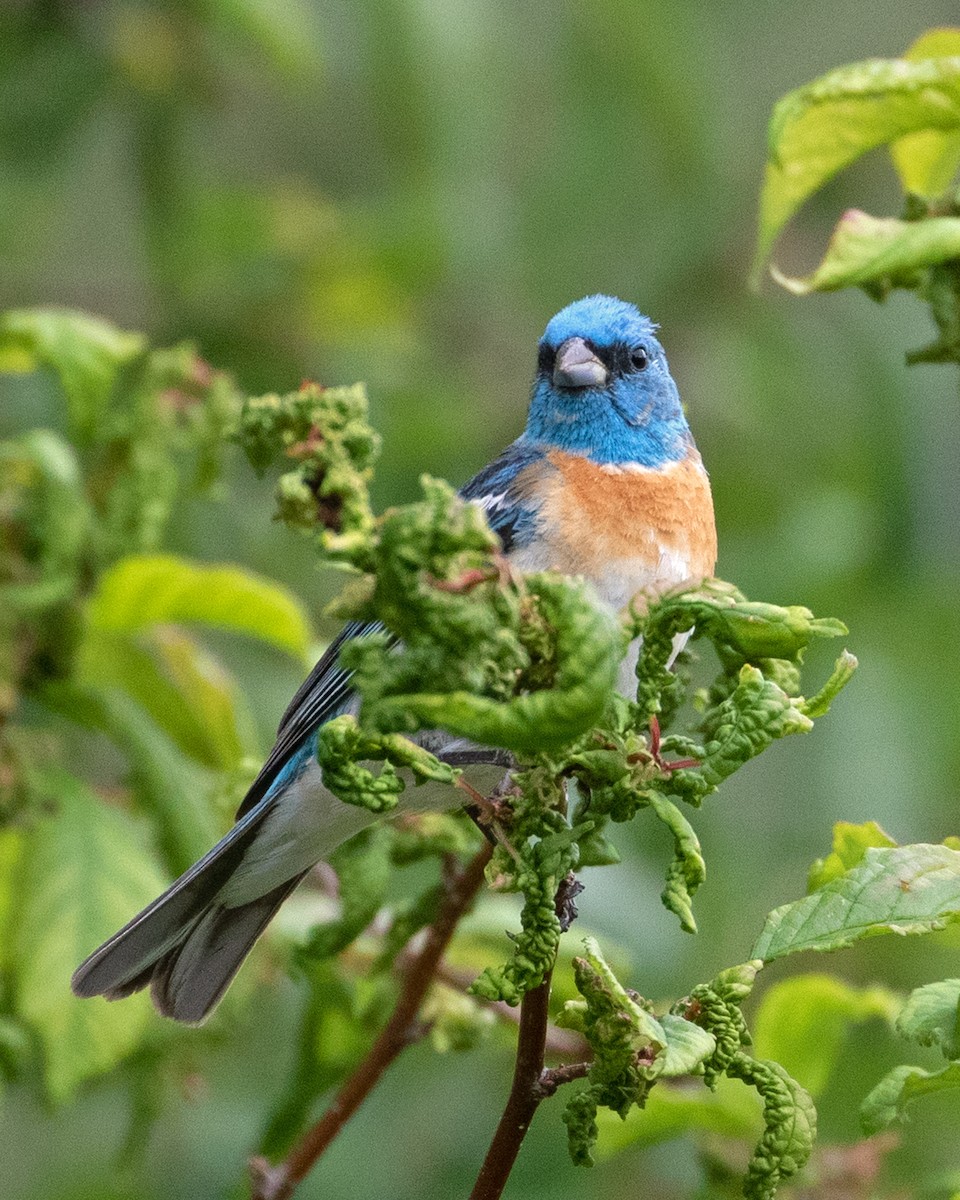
608 425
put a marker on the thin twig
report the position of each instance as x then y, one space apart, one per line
279 1182
524 1098
531 1082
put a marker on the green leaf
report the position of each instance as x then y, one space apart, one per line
86 352
85 871
285 31
687 1045
850 844
186 692
687 870
878 250
790 1126
174 792
821 128
803 1021
588 651
150 589
903 889
930 1016
927 161
886 1103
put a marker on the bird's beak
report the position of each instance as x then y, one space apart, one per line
576 366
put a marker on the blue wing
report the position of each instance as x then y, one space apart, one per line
510 511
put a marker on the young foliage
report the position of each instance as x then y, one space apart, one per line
912 105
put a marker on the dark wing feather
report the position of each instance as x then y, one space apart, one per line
324 693
511 516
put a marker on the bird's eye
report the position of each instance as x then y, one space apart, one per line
545 356
639 358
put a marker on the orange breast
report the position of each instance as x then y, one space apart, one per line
657 524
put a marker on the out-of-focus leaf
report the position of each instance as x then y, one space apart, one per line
895 1091
86 352
730 1111
927 161
84 872
186 692
11 850
902 889
284 30
151 589
802 1022
822 127
165 784
878 250
930 1016
850 843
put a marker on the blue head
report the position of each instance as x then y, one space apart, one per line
603 388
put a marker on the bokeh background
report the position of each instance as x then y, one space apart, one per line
404 192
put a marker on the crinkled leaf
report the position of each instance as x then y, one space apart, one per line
85 871
822 127
588 649
686 1047
543 864
878 250
790 1126
756 713
886 1103
850 844
86 352
150 589
903 889
927 161
687 870
802 1023
930 1016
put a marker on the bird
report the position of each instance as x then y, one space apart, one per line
605 482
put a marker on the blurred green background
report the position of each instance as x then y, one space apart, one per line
404 193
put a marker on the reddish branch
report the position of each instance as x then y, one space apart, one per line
532 1083
279 1182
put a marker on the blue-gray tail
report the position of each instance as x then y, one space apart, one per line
186 945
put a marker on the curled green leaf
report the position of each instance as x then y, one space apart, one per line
587 652
341 744
687 870
878 252
790 1126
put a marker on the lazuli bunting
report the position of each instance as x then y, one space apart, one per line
605 482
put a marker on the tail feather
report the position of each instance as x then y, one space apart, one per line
189 980
125 963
